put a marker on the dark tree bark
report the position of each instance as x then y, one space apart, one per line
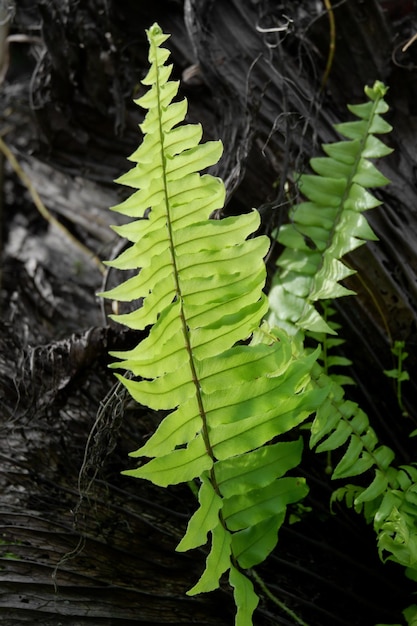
79 543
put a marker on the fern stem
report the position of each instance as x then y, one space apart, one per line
277 601
374 300
178 291
332 43
324 346
402 375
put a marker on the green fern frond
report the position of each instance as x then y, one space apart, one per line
389 501
395 520
339 422
202 282
329 358
330 223
323 229
390 504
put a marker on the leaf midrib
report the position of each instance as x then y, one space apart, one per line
178 291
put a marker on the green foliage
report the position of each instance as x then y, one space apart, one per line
329 359
233 384
339 422
330 223
323 229
399 374
230 393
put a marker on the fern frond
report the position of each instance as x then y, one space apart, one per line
389 501
339 422
390 504
330 223
396 520
324 228
202 282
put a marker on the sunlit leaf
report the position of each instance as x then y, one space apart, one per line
200 284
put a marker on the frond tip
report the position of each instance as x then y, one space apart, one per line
330 223
201 282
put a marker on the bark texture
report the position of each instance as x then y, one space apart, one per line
80 544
